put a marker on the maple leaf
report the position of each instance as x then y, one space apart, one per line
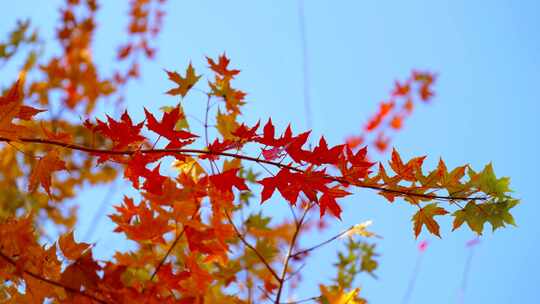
204 240
361 229
449 180
226 180
359 164
81 273
274 153
328 201
226 124
217 147
268 134
245 133
338 296
221 67
424 216
42 170
381 142
291 144
10 108
354 141
184 83
148 227
27 113
322 155
123 132
406 171
56 136
71 249
136 167
384 110
202 277
476 215
401 89
396 122
283 181
489 183
166 127
154 181
171 280
234 98
127 211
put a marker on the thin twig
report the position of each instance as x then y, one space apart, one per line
99 213
303 300
305 63
247 244
289 252
301 252
178 237
265 293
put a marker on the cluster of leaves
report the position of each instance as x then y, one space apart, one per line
145 22
391 114
183 220
358 258
19 37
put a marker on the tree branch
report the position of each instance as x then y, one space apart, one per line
238 156
52 282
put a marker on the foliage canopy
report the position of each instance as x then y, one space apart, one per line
198 239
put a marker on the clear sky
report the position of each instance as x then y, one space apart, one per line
487 55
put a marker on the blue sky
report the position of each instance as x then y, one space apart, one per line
487 55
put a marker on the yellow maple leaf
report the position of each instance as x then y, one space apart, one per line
339 296
360 229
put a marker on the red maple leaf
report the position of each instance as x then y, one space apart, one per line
328 201
122 133
245 133
226 180
166 127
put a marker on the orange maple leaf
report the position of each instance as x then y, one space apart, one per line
10 108
424 217
184 83
70 248
221 67
41 173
